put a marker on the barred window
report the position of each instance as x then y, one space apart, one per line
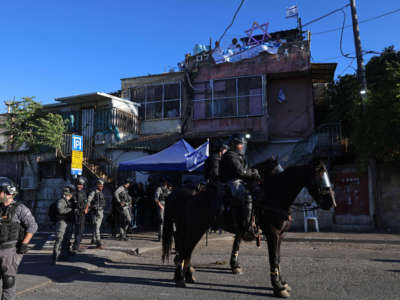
234 97
158 101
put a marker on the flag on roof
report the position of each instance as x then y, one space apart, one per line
292 11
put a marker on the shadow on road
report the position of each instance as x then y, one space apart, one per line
39 265
387 260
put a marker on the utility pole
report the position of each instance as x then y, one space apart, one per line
357 43
361 74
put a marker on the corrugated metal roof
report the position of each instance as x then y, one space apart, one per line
92 97
152 143
323 72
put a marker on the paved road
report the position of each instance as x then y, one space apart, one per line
315 270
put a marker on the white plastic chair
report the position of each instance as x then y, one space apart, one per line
310 213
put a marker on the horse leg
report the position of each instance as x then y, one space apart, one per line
281 236
273 240
179 274
189 271
234 262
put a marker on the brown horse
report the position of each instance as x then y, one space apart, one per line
194 214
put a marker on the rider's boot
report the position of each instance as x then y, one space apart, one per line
247 222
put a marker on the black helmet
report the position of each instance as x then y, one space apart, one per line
220 146
68 189
100 182
80 181
238 138
8 186
129 180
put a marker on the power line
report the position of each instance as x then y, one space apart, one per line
363 21
348 66
341 36
233 20
326 15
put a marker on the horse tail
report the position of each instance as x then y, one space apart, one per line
168 229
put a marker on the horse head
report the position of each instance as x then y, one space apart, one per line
320 187
271 166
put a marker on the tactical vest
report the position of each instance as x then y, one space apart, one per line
9 229
64 217
99 202
81 199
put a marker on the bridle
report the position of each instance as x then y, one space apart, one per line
324 184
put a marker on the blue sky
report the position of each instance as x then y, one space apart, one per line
53 49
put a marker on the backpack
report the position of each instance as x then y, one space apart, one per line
52 212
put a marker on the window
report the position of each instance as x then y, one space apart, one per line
234 97
158 101
73 119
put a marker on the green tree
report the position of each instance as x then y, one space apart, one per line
373 125
27 125
376 132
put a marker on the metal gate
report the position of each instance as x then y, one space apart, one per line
88 132
351 190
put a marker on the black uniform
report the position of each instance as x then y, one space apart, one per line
212 168
234 167
234 172
81 201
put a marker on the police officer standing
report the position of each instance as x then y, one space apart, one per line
160 196
235 173
124 200
97 203
81 209
17 229
64 225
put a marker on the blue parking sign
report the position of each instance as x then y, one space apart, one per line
77 143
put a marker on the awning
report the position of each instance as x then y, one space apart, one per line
181 156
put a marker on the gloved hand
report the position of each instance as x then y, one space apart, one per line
254 175
22 248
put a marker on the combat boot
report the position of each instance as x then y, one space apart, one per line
248 234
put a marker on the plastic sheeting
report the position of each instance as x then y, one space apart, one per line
235 55
181 156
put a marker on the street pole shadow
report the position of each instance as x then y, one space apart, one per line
387 260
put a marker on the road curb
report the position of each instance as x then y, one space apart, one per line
341 240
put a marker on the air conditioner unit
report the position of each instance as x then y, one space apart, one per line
28 183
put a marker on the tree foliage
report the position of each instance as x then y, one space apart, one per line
29 126
373 125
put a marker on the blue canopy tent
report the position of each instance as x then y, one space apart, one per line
181 156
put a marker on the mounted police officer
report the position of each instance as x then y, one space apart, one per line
235 173
160 196
97 203
124 200
64 225
212 164
17 228
81 209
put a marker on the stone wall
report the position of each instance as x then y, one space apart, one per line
50 190
388 206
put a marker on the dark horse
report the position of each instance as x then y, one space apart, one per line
193 214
